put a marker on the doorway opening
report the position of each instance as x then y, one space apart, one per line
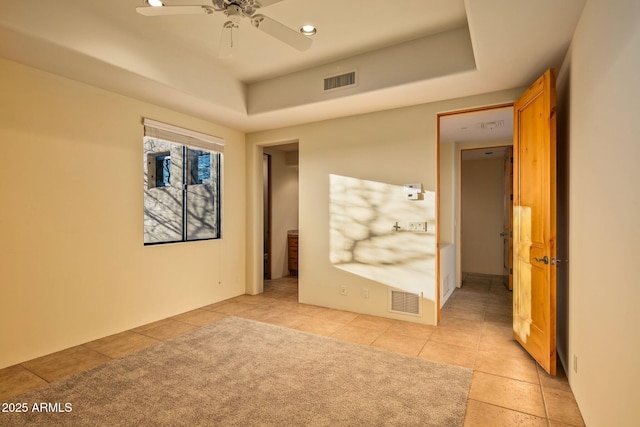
266 205
464 137
280 202
485 211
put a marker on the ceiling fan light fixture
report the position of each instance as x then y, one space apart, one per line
308 30
155 3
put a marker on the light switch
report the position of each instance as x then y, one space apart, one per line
418 227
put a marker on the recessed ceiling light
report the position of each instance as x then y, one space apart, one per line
308 30
155 3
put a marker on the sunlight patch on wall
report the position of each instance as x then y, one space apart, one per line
369 234
522 292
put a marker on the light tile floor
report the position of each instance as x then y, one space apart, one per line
508 388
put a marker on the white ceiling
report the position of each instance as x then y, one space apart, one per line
405 53
483 153
490 126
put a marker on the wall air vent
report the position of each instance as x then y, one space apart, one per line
404 302
340 82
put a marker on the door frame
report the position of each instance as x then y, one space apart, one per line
508 222
266 232
457 178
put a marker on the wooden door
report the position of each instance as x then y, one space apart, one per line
534 221
507 231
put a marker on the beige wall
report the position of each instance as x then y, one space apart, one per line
482 214
603 90
73 267
284 210
449 177
393 148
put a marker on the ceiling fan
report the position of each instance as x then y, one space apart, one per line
235 10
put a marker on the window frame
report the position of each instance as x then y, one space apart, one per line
177 218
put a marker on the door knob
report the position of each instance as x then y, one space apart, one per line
503 234
544 260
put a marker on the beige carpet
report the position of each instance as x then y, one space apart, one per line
238 372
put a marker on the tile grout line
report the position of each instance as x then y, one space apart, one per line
33 372
544 400
510 409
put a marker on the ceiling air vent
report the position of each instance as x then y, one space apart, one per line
492 125
341 81
404 302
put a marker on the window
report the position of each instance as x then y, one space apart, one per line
199 167
182 184
159 167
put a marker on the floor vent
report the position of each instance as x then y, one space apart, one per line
404 302
340 82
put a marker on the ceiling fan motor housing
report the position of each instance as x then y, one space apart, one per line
234 12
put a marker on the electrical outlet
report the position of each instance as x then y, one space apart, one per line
413 195
418 227
365 292
343 290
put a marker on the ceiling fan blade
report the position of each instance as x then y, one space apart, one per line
281 32
265 3
173 10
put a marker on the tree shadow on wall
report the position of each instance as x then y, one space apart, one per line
365 240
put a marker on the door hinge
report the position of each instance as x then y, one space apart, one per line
511 271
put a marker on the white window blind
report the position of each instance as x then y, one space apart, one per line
182 136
